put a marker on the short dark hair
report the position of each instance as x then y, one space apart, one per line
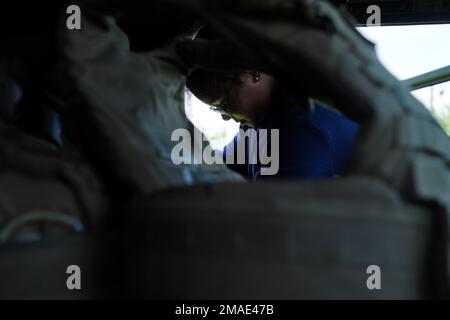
209 86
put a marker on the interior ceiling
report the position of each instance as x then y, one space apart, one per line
163 22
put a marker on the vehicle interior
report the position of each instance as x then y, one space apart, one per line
85 198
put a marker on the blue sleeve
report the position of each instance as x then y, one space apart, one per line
304 154
314 146
239 168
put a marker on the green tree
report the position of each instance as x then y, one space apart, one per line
444 120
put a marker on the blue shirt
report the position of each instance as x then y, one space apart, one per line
312 145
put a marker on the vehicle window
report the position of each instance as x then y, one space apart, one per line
408 51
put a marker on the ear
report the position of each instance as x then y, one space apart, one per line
256 76
250 75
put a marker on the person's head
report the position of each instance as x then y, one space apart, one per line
244 95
